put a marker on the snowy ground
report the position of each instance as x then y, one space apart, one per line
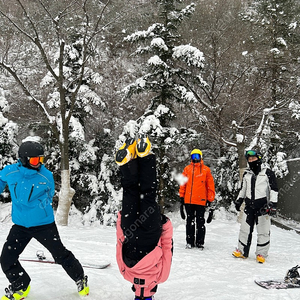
210 274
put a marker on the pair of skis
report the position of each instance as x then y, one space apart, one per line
41 258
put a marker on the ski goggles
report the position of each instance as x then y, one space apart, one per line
36 160
251 153
196 156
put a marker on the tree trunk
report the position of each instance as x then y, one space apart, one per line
65 199
66 191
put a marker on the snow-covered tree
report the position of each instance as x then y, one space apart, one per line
274 49
8 132
170 65
47 29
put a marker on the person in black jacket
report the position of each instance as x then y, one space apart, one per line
259 191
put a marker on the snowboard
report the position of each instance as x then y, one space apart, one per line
276 284
41 258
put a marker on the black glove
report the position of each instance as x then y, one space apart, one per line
208 203
238 204
273 209
182 214
210 215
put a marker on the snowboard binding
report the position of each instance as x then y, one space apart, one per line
292 275
40 255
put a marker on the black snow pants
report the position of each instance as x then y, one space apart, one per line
140 216
195 232
19 237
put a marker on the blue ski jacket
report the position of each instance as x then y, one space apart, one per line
31 193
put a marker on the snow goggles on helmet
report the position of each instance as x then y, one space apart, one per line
252 153
196 156
36 160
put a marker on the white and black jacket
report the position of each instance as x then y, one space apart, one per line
258 190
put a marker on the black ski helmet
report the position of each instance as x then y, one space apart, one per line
29 149
255 153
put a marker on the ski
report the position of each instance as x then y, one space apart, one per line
276 284
41 258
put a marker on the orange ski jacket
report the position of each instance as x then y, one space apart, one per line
199 187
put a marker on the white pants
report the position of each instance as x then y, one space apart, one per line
263 224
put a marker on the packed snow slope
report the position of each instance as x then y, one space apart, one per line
211 274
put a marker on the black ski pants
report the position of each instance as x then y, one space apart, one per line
19 237
140 216
193 212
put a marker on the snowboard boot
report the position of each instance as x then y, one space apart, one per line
143 147
126 152
15 295
238 254
82 286
200 247
189 246
260 259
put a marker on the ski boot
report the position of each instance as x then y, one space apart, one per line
260 259
15 295
126 152
292 275
82 286
143 147
238 254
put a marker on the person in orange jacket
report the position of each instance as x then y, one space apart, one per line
196 194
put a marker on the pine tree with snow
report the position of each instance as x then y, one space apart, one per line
274 47
169 72
8 133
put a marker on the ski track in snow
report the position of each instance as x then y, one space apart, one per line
211 274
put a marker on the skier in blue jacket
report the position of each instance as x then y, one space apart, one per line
31 187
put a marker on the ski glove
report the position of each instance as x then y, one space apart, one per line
182 214
238 204
273 209
210 215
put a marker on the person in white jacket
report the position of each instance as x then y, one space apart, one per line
260 192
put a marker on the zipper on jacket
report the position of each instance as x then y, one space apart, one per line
41 205
192 183
31 192
15 190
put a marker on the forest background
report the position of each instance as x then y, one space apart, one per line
82 75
